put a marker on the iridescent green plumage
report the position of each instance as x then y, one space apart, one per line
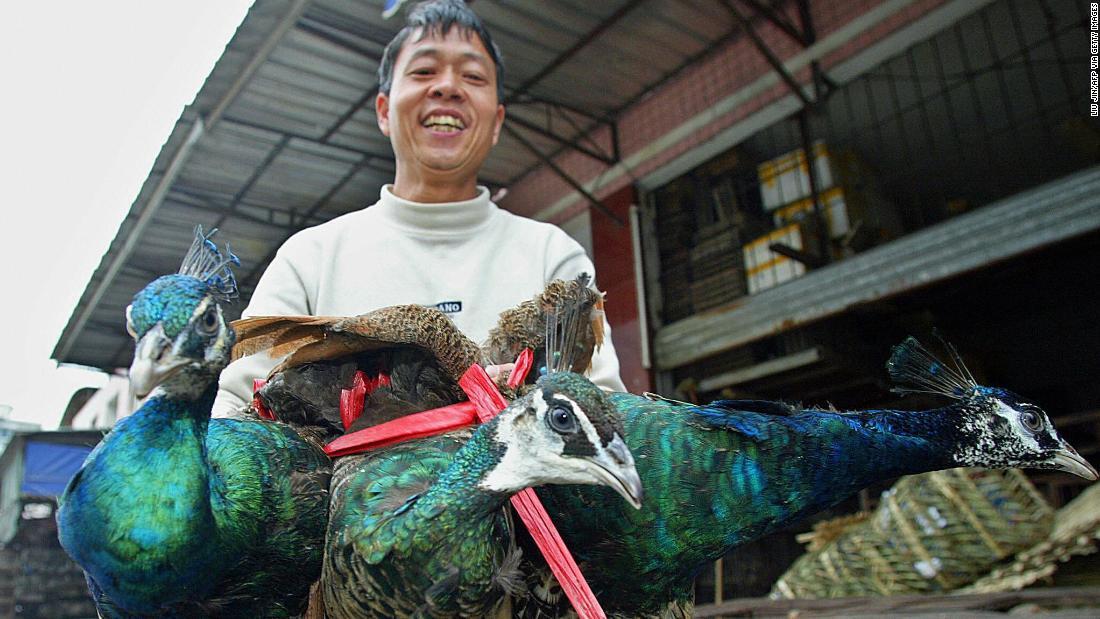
421 529
175 514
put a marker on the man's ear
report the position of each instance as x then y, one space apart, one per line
382 110
498 123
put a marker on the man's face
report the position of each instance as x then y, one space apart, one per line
442 115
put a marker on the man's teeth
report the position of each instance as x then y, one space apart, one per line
446 124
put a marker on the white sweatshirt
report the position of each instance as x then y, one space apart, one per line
470 259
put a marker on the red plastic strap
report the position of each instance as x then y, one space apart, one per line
523 366
484 394
417 425
352 400
257 404
382 380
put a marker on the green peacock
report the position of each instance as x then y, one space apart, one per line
175 514
723 474
421 529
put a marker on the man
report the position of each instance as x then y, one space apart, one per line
433 238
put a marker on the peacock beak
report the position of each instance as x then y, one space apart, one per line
1067 459
154 362
615 468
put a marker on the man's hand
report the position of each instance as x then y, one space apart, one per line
495 372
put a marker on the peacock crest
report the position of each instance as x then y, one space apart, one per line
916 370
206 263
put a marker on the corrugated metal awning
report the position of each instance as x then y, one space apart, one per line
282 134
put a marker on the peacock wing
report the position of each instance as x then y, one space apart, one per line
270 500
369 492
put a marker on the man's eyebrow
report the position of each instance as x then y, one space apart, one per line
434 51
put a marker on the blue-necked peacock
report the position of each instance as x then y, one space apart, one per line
175 514
723 474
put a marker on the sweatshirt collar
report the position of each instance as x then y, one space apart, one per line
438 217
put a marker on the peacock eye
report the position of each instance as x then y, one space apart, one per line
1031 421
562 420
209 322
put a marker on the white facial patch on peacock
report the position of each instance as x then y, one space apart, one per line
1012 416
533 453
986 442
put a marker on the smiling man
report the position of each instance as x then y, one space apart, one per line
434 237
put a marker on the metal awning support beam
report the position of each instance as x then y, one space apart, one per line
769 55
602 158
568 54
261 266
275 218
520 95
779 21
593 200
529 99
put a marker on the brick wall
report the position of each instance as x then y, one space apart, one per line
696 90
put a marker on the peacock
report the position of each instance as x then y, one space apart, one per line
175 514
421 529
729 472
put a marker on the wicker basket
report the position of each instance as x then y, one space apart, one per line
931 533
1076 533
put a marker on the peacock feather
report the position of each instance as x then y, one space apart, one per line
176 514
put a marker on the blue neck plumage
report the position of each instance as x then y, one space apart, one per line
458 484
167 406
872 446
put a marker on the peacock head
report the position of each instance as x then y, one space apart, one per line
997 428
564 431
183 340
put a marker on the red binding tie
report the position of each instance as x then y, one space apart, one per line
484 394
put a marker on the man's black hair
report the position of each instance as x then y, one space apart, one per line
436 18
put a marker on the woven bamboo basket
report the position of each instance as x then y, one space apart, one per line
931 533
1076 533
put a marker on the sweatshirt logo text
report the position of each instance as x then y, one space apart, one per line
449 307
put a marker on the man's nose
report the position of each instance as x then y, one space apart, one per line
446 86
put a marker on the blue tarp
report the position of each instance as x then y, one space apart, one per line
48 467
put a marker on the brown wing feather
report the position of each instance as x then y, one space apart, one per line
264 333
307 339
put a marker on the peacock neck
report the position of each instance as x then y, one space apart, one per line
900 442
459 487
168 409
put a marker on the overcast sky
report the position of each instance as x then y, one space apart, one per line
91 92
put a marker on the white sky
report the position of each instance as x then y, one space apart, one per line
91 91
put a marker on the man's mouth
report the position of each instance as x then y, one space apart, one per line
444 123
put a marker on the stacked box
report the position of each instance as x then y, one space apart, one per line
833 204
786 178
765 268
845 210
